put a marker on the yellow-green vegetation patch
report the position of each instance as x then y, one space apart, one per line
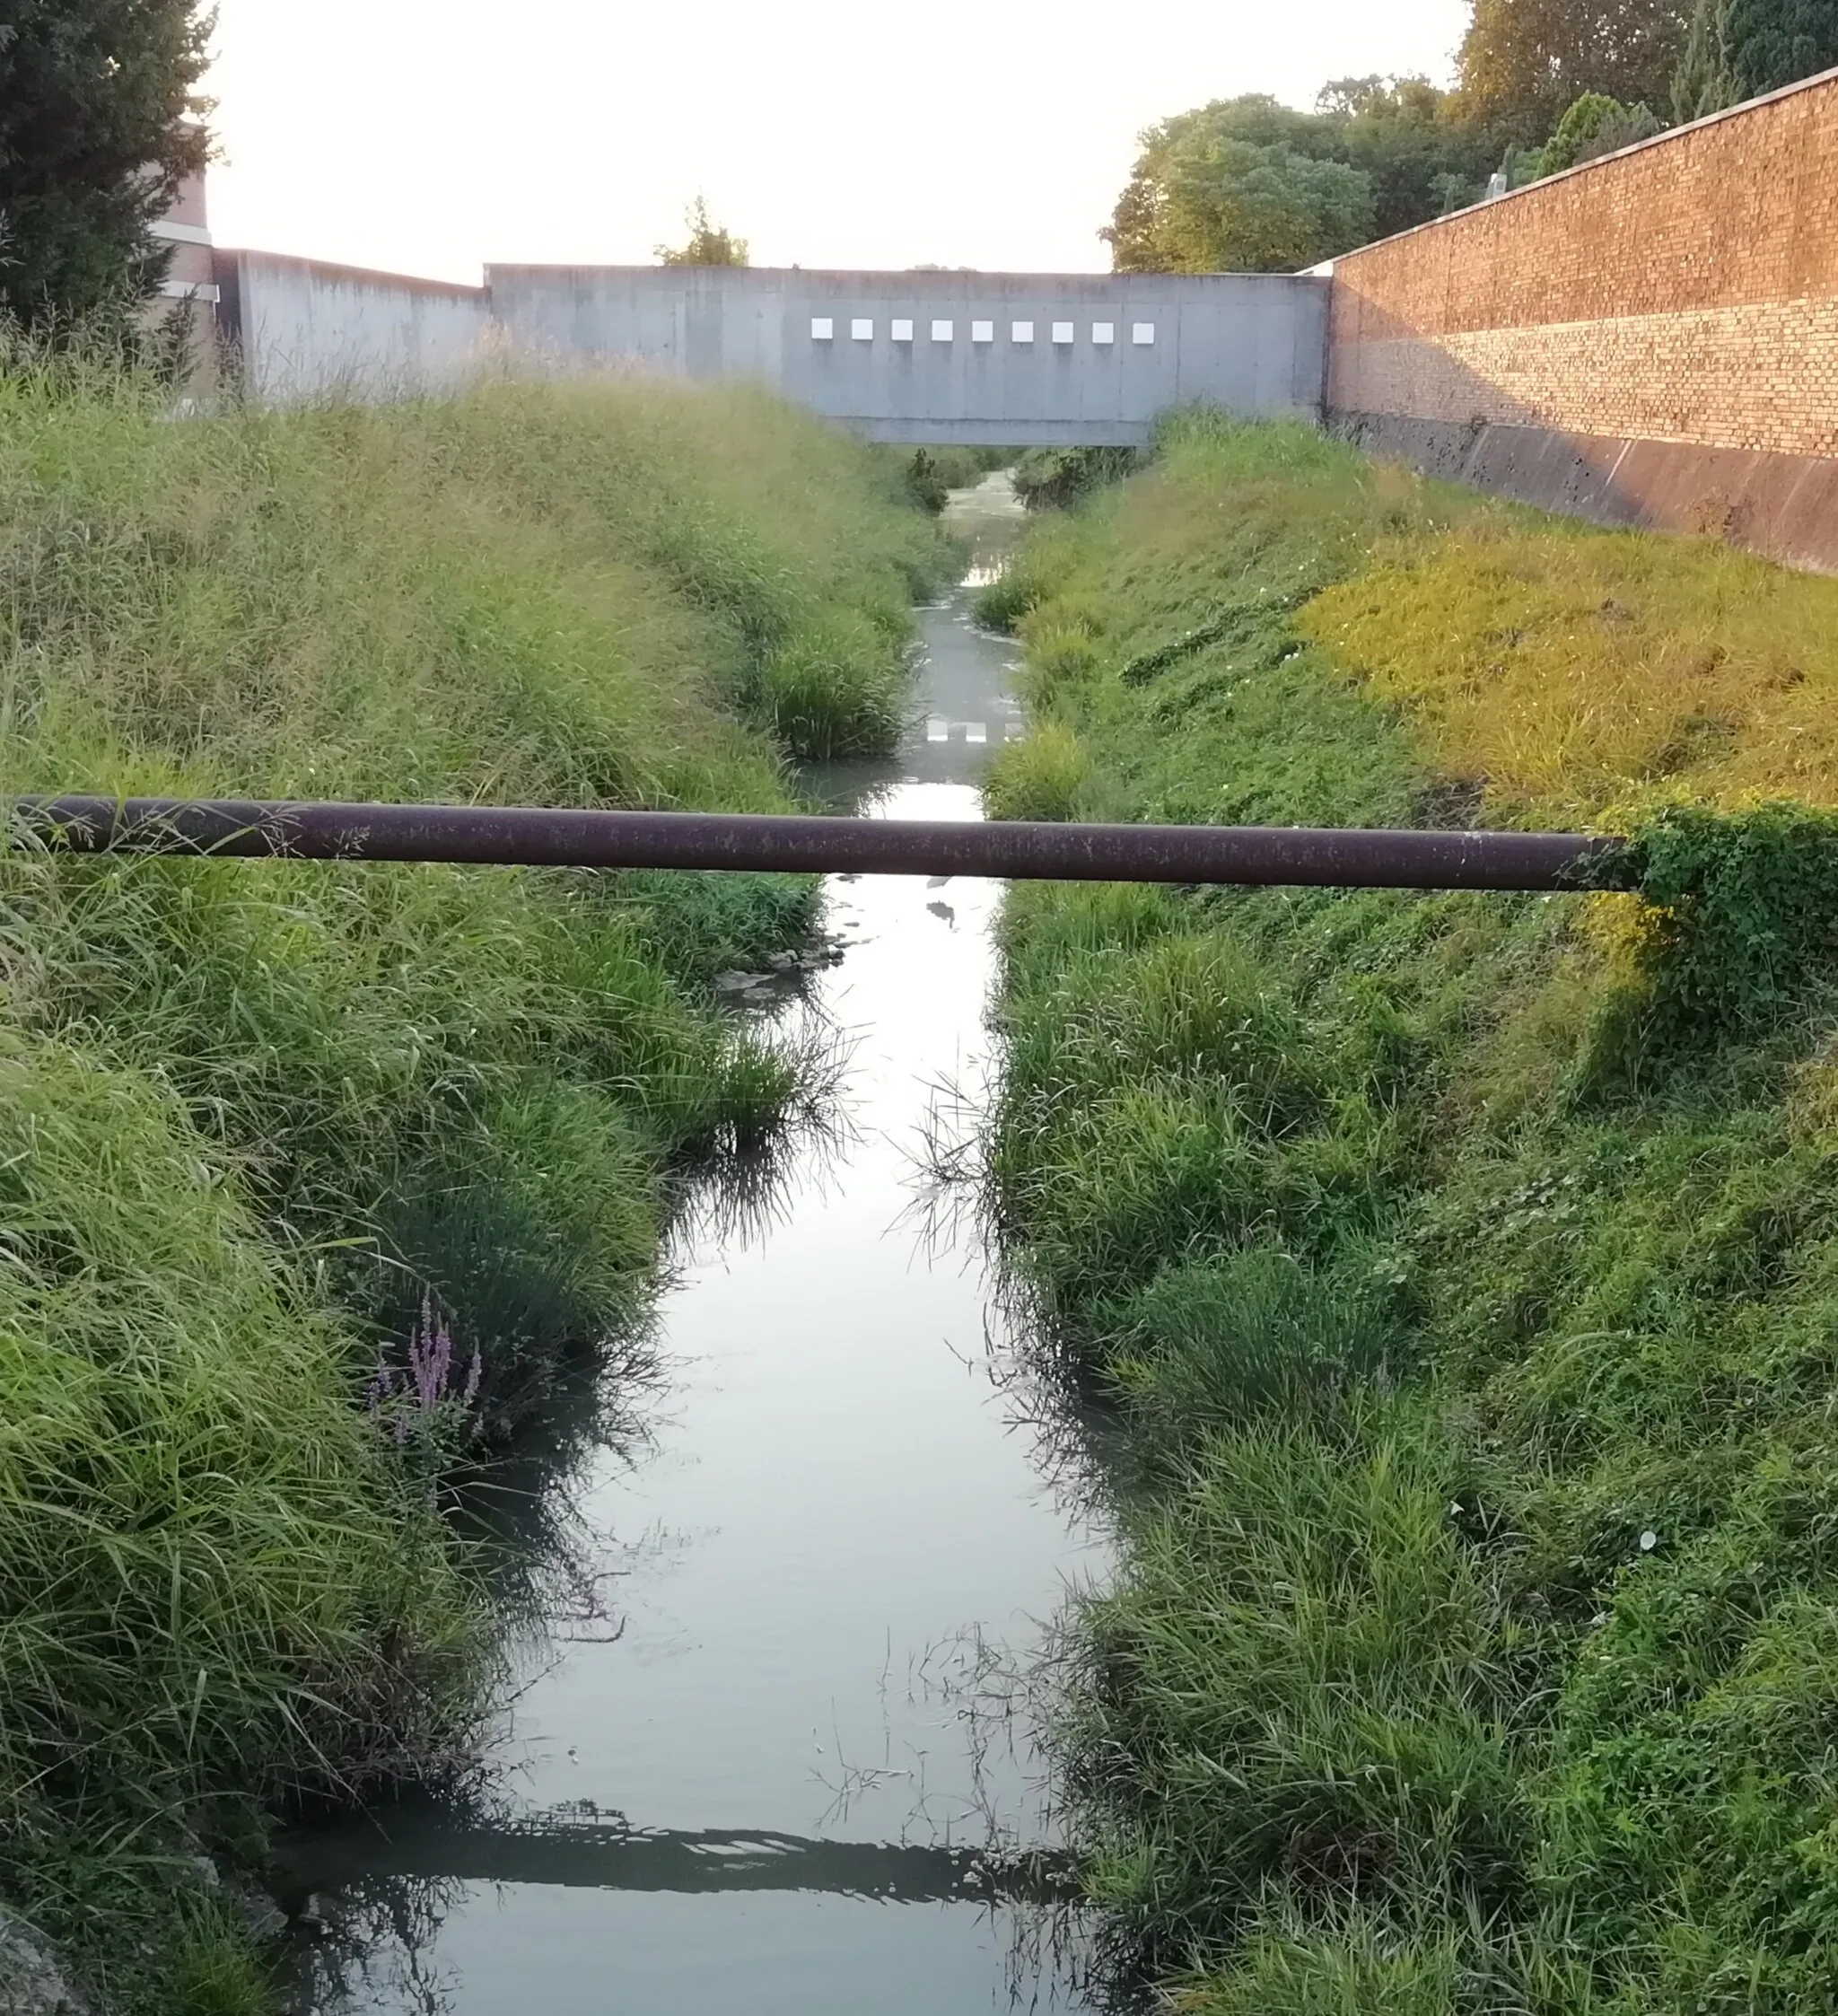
1463 1268
1565 668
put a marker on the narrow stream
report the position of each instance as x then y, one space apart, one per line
768 1780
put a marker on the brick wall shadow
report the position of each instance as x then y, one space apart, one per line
1782 507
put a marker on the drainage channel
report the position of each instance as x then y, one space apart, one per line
772 1772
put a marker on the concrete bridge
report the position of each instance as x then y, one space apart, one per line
1023 359
1001 358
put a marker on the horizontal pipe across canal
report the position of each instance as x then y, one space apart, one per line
539 836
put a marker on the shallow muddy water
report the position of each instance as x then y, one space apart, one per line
767 1779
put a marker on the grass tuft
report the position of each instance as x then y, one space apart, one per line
1039 777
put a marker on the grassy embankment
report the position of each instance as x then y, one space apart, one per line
252 1115
1466 1266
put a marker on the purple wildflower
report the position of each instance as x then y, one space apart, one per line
427 1384
430 1357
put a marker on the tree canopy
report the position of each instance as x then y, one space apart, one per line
708 243
1596 125
1248 184
1740 48
1404 133
1545 85
99 126
1523 63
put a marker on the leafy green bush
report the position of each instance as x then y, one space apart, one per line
839 688
1738 919
1026 576
1000 604
1594 125
930 474
1052 478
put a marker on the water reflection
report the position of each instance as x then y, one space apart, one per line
585 1850
771 1750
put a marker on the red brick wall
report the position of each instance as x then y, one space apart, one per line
1686 291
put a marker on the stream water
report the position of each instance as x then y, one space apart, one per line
767 1779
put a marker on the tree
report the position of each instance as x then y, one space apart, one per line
1420 160
1209 203
1596 125
1250 183
1699 83
1740 49
99 125
709 244
1523 63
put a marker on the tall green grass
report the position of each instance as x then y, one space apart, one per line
258 1119
1464 1268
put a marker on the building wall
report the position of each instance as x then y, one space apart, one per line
1651 339
186 228
307 329
930 356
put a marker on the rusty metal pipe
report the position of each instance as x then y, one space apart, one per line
540 837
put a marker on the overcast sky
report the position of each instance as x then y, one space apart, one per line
429 137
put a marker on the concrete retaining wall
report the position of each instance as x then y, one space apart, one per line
967 357
1785 506
306 329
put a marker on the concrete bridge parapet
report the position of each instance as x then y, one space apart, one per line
927 356
1007 359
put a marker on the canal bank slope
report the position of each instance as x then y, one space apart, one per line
315 1179
1464 1268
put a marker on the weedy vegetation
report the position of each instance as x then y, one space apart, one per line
930 474
1464 1266
318 1177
